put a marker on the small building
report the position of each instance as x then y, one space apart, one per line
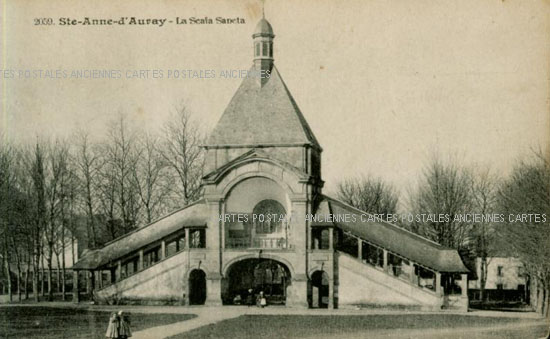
506 281
264 225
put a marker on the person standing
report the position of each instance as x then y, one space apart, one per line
124 330
112 329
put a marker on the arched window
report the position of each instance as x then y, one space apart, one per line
268 216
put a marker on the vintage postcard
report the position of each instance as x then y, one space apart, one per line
275 169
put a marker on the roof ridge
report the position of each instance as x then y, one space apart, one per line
389 223
303 122
151 223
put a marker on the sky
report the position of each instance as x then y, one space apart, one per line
383 84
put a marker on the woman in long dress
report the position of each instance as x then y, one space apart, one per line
112 329
124 330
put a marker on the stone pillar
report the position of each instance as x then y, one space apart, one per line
88 282
76 288
297 292
119 271
385 260
187 238
331 293
330 238
100 280
213 291
162 250
464 285
140 260
438 288
359 249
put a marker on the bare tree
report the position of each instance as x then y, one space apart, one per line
369 194
444 189
527 191
150 177
36 170
119 194
484 194
182 152
88 168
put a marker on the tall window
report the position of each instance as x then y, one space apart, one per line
257 49
500 270
320 238
271 49
175 245
197 238
268 215
151 256
264 48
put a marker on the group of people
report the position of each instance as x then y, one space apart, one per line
119 326
260 300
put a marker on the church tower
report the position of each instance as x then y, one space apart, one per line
263 115
263 48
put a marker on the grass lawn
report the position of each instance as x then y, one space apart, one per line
351 326
49 322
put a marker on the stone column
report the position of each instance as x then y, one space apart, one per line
213 290
438 288
331 293
385 260
140 260
76 288
100 281
162 250
359 249
297 292
330 238
464 285
118 271
187 239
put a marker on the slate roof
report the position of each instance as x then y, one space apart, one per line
263 28
262 115
192 215
395 239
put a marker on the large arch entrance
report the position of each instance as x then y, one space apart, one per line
197 287
245 279
319 290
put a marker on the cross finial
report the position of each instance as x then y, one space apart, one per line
263 8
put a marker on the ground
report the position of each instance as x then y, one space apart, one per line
369 326
50 322
67 320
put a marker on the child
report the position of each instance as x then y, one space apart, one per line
112 329
124 330
263 301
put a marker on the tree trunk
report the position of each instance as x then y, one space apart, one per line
8 275
50 287
42 281
63 261
27 280
35 274
19 292
58 273
483 279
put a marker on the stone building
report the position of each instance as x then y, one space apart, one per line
262 159
507 280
